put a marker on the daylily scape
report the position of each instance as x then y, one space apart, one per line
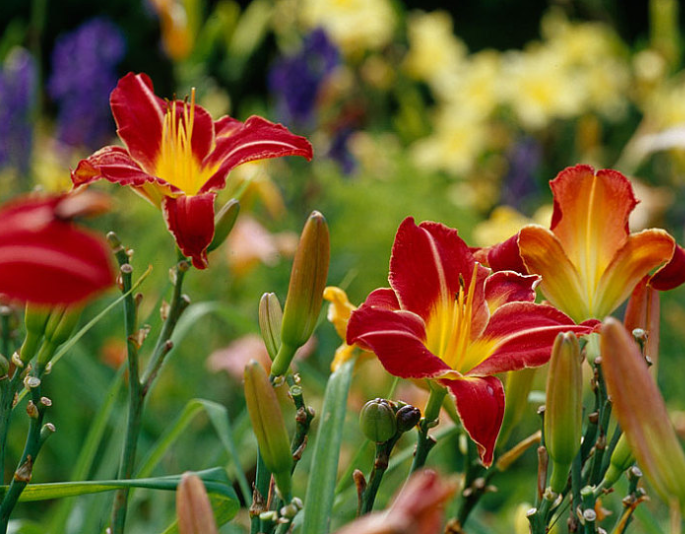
447 318
177 157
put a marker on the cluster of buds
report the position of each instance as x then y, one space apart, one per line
382 420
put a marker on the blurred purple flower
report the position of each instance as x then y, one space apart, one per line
84 73
295 81
18 79
339 150
519 183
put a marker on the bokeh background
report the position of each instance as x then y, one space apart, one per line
454 112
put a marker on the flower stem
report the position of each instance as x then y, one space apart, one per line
430 419
138 388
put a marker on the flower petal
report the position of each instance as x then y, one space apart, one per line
522 334
480 403
429 264
397 338
543 254
508 286
641 253
591 217
139 115
672 274
47 260
256 139
506 256
191 221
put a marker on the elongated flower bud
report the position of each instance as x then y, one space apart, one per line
195 515
58 329
224 222
35 320
642 416
305 292
519 384
268 425
270 318
621 459
563 408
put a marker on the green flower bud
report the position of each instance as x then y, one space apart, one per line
519 384
621 459
377 420
563 408
270 318
305 292
224 222
58 329
407 417
35 320
268 425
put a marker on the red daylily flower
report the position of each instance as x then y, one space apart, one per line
448 318
177 157
589 261
44 258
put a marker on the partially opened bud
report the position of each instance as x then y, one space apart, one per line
270 318
563 408
641 412
224 222
268 425
195 515
305 292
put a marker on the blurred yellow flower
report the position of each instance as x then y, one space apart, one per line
353 25
504 222
435 53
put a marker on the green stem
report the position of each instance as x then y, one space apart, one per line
34 440
475 482
430 418
380 466
138 388
260 494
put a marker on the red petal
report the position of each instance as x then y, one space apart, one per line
383 298
191 221
426 266
506 256
397 338
480 403
139 115
508 286
46 260
672 274
525 333
256 139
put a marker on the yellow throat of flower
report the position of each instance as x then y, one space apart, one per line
176 163
448 330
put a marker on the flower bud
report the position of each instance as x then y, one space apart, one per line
519 384
377 420
407 417
58 329
643 417
224 222
305 292
195 515
563 408
35 319
268 425
270 317
621 459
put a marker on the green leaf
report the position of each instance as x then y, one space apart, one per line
218 416
321 488
216 481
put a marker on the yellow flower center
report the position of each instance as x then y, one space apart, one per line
448 329
176 163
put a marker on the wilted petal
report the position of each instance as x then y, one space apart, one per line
47 260
480 403
191 221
